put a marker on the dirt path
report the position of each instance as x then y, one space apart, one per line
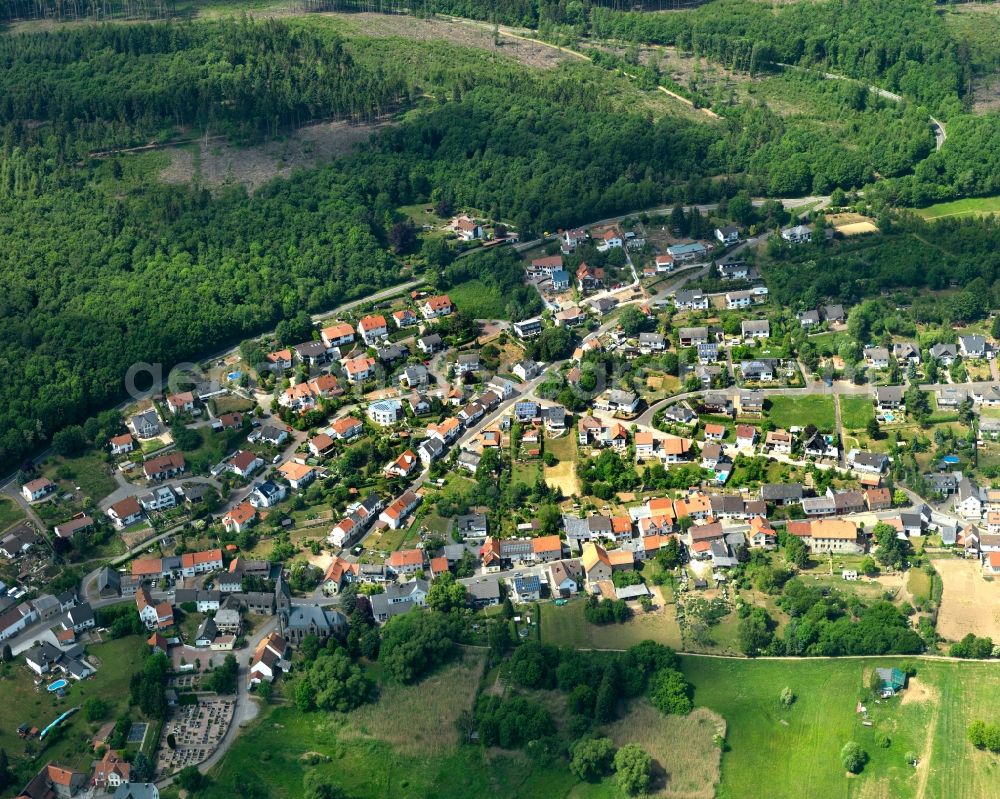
917 691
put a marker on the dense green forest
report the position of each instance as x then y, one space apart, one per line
115 85
63 10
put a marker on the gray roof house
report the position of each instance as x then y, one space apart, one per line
398 598
483 590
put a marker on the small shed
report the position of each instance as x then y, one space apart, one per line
891 680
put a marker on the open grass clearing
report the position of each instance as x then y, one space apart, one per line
856 412
799 411
687 759
230 403
216 163
971 206
526 472
919 583
349 751
473 298
563 474
89 472
794 752
422 722
457 32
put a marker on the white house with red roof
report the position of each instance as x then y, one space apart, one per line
271 657
164 467
338 335
280 360
37 489
373 328
466 228
664 263
406 561
433 307
405 318
447 431
298 475
346 428
244 463
609 240
178 403
359 369
125 512
396 512
122 444
403 466
207 560
240 518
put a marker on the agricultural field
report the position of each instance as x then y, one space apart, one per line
799 411
795 750
969 602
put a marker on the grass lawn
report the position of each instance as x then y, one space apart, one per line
799 411
795 751
829 342
150 445
24 704
856 412
526 472
10 513
989 454
474 299
919 583
566 626
229 403
972 206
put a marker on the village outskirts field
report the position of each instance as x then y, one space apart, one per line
406 744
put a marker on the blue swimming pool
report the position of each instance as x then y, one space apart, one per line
58 685
888 416
234 376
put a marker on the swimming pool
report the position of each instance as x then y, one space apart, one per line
58 685
888 416
234 376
